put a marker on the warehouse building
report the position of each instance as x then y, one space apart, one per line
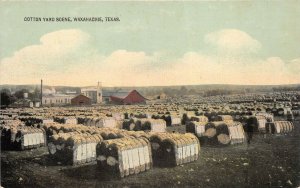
57 99
124 97
81 100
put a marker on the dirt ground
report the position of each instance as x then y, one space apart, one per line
272 161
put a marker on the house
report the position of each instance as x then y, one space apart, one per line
124 97
81 100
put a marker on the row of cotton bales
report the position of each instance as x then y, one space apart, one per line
157 126
106 133
171 120
145 124
109 122
15 135
218 133
151 125
66 119
266 124
215 116
35 120
128 152
240 109
227 131
224 108
136 124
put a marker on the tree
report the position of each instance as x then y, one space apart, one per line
6 97
35 95
20 94
5 101
5 91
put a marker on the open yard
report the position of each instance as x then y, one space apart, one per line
271 161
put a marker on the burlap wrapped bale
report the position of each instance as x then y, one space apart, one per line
124 156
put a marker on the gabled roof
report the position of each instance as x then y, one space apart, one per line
135 91
128 98
81 95
119 94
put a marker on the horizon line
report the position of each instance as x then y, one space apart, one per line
156 85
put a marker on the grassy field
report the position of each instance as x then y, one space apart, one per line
271 161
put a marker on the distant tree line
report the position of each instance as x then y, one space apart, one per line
8 98
184 90
171 92
216 92
280 89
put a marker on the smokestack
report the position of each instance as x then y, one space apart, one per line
41 92
99 92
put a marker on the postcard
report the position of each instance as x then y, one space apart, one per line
150 93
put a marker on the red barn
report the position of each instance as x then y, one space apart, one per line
81 100
132 97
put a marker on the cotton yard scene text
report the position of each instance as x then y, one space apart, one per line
72 19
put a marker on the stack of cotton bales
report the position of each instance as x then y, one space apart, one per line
199 118
66 119
15 135
74 147
279 127
106 133
197 128
125 156
225 118
145 124
237 133
109 122
269 117
34 120
170 149
197 125
223 133
261 123
175 120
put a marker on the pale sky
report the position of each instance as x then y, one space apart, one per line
154 44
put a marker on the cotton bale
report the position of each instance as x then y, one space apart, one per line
171 149
124 156
74 148
283 127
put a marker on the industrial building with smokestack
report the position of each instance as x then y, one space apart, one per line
89 96
93 95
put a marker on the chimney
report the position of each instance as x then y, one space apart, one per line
99 93
41 92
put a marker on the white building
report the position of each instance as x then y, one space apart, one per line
94 93
57 99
